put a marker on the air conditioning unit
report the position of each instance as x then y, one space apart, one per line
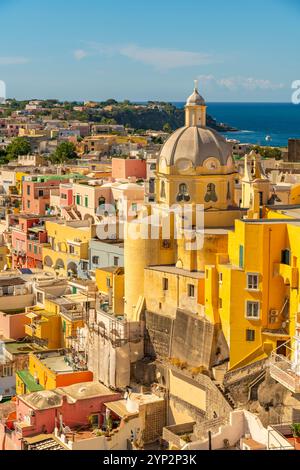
273 316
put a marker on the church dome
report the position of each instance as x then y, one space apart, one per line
195 144
195 99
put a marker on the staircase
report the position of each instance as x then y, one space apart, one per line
76 213
253 386
225 394
71 213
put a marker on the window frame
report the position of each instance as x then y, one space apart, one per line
71 249
247 302
191 288
95 259
248 284
248 330
165 284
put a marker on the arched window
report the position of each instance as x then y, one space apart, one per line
151 185
211 195
228 191
163 189
183 193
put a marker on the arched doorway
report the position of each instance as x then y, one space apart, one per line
48 262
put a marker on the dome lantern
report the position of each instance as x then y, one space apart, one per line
195 109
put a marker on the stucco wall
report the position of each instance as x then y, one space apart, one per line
13 326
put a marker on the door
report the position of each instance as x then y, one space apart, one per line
281 348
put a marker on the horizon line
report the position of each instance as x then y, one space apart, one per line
144 101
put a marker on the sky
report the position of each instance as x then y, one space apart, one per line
139 50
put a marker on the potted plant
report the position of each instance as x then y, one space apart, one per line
296 434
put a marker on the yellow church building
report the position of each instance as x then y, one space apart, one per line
238 287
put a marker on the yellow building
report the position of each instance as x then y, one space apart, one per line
44 327
72 310
110 283
57 323
68 246
4 255
49 370
19 181
247 295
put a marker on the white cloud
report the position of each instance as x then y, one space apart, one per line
240 82
159 58
13 60
80 54
165 58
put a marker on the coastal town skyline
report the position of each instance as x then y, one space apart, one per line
149 229
149 52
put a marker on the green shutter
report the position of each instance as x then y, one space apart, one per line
241 257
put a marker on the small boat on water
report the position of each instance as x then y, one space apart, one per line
268 138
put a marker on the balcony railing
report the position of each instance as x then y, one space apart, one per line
284 370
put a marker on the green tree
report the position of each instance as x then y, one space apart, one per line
157 140
269 152
64 152
18 146
167 128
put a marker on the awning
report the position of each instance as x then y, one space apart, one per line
32 315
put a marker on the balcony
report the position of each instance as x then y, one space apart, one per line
30 330
288 273
285 370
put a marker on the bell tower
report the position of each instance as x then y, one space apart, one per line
255 185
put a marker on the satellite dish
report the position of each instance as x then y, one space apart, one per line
132 406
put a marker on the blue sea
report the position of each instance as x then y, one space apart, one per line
255 121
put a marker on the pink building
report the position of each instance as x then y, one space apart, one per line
66 195
27 240
12 325
41 412
124 168
12 130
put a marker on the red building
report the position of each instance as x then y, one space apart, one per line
27 239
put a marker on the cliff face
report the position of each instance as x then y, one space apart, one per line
156 118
